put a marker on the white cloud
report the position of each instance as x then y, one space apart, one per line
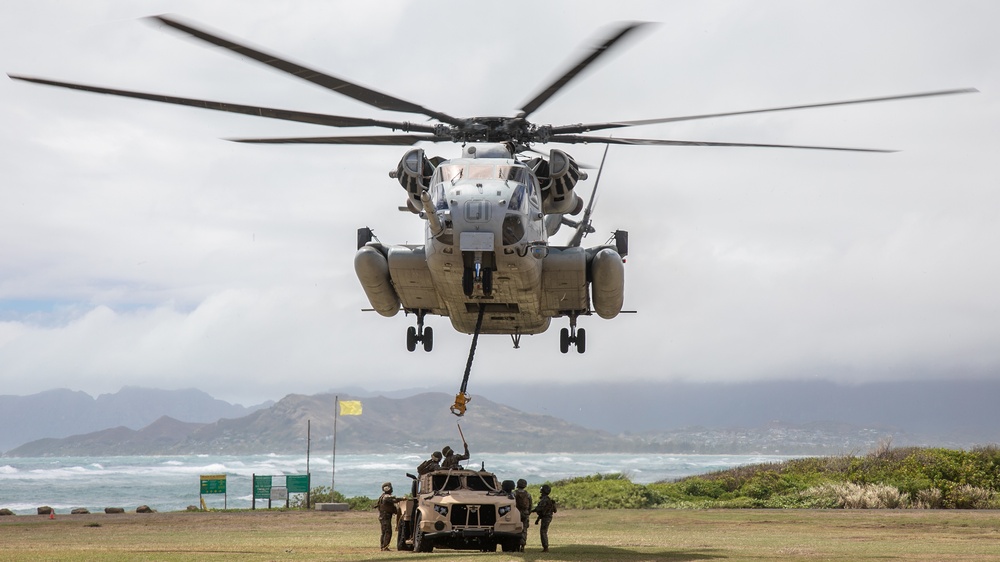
140 249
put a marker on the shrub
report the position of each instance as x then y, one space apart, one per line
965 496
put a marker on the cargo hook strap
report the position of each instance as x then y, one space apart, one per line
458 408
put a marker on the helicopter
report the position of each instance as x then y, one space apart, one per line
489 216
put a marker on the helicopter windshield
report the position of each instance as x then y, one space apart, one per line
439 197
516 199
482 172
514 173
451 172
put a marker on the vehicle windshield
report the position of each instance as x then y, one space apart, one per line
481 483
446 482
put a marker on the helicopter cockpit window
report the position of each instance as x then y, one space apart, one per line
514 173
450 173
481 172
516 199
513 229
439 197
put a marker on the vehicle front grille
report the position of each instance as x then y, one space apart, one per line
471 515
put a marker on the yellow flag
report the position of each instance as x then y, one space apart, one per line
350 407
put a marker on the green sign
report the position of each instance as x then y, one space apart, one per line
213 483
262 486
297 484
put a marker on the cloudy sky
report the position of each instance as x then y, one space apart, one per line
140 249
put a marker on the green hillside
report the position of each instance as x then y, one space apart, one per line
884 478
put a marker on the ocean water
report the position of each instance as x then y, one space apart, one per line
171 483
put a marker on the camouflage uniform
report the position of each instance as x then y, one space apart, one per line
545 508
522 499
451 460
430 465
386 506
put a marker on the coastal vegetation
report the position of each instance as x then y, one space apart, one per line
885 478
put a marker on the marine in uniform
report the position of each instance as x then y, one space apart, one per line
545 509
523 501
430 465
386 506
451 460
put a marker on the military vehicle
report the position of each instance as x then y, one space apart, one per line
459 509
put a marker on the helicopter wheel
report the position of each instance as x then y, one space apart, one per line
428 338
581 340
467 282
411 338
564 340
487 281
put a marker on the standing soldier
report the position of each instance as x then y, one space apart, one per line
545 508
522 499
386 506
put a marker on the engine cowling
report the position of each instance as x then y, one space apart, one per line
414 173
557 178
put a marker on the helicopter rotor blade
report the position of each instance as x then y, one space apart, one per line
583 128
377 140
580 139
339 85
259 111
593 55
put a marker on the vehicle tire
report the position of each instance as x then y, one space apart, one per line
581 340
420 542
411 338
403 533
511 545
564 340
428 339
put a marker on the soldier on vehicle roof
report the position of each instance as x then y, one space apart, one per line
451 460
431 464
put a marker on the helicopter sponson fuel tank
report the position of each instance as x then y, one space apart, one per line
372 269
607 286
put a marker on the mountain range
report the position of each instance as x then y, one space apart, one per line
63 412
785 417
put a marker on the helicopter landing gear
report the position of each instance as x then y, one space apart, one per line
572 336
479 276
419 334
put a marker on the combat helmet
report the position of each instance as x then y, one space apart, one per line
546 489
522 483
387 487
436 455
446 451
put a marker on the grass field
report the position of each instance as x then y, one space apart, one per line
627 535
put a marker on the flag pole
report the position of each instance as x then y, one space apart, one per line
308 447
333 465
